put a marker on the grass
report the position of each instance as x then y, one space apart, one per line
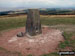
64 44
3 49
11 22
67 36
9 52
68 41
51 54
14 22
29 55
56 21
19 54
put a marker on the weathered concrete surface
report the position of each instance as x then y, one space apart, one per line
33 24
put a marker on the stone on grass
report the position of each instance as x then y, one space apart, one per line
20 34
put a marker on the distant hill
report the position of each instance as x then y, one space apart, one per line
43 11
6 11
3 9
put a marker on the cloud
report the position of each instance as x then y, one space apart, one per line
37 3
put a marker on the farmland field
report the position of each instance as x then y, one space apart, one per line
64 23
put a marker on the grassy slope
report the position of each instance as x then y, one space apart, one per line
19 21
13 22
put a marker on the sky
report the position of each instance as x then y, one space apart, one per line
37 3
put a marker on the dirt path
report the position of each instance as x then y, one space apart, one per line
41 44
